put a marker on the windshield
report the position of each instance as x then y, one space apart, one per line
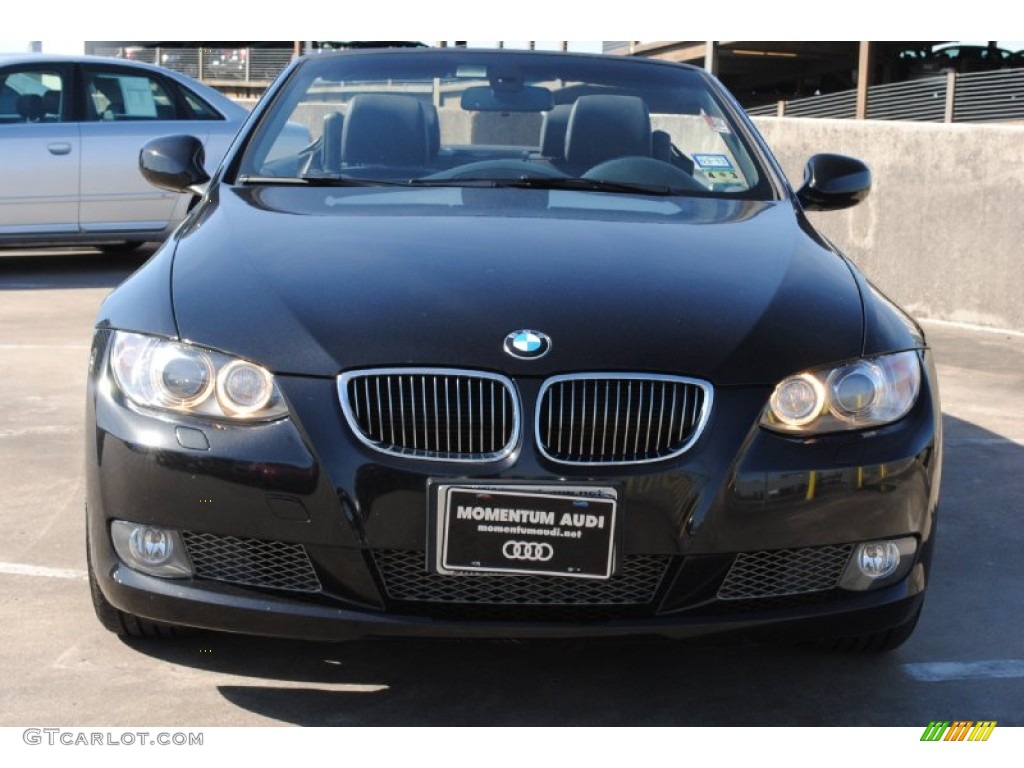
500 118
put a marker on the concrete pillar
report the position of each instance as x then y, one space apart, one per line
711 57
950 95
863 79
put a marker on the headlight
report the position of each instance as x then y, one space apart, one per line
169 375
865 393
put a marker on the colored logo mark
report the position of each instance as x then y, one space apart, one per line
528 344
959 730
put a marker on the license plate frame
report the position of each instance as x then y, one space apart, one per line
523 529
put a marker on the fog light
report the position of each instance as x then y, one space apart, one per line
150 549
878 559
153 546
874 563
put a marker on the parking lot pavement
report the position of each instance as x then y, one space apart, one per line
60 668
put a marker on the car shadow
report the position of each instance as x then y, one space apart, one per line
68 268
635 681
655 681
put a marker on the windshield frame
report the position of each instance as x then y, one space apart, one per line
276 107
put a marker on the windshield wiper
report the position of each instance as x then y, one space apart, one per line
337 180
589 185
317 180
554 182
523 182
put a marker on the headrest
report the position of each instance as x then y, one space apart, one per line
552 131
603 127
433 130
51 102
384 129
30 106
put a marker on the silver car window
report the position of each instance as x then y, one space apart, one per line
122 94
31 95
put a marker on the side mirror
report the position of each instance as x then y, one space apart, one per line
833 182
174 163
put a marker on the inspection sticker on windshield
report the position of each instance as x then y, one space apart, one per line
716 124
713 162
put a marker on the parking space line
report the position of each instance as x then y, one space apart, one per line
20 569
983 440
51 430
44 346
970 326
943 671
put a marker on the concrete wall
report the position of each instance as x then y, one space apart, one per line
942 232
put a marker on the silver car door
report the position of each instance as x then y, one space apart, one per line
125 107
39 151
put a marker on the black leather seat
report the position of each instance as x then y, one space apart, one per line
385 130
552 132
433 130
51 105
605 127
30 107
330 149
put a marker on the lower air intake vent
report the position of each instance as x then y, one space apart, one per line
406 578
782 572
254 563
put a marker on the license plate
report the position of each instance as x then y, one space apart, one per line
553 531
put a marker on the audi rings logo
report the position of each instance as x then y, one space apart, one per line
528 550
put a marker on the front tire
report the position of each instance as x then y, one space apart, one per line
126 624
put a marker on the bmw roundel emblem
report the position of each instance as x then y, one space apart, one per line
527 344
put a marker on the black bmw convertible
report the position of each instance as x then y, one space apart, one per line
521 344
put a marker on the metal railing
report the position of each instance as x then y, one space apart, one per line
768 110
267 63
219 66
973 97
915 100
983 96
841 105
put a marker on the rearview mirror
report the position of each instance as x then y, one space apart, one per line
528 98
833 182
174 163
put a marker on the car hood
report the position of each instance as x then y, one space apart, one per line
314 281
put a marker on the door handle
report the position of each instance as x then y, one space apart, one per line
59 148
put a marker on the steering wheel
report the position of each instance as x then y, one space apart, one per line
497 169
644 170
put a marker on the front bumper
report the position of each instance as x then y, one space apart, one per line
226 608
307 485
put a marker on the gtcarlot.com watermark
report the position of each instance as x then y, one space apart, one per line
73 737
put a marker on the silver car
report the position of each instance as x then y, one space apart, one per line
70 133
